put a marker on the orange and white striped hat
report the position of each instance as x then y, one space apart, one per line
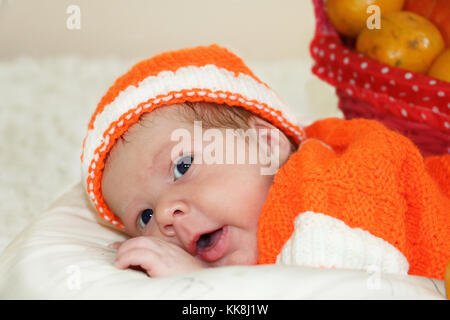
208 74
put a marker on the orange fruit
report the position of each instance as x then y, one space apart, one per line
437 11
405 40
440 68
349 17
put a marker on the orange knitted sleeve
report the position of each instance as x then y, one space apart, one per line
370 177
439 168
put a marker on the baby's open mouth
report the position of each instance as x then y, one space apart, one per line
208 240
212 246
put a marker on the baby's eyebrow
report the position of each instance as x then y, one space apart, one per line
155 158
161 153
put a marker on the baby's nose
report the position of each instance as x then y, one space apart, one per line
167 214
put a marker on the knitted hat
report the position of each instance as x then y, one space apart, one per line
207 74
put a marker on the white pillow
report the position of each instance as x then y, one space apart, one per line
63 254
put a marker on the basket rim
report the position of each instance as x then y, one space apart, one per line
331 56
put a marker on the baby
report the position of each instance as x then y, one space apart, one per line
337 194
185 216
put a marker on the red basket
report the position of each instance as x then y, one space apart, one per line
413 104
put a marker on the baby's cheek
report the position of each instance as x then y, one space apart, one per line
246 256
246 252
256 200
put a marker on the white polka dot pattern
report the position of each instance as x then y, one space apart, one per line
406 94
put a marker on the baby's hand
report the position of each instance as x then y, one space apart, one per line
156 257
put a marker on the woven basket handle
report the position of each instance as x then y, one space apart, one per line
324 27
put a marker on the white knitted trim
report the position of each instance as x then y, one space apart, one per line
320 240
206 77
311 139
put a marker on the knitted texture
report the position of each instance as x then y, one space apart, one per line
202 74
320 240
429 140
371 178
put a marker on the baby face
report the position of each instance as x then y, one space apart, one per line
209 210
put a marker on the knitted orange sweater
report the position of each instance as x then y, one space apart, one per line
369 177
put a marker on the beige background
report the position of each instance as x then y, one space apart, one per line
255 29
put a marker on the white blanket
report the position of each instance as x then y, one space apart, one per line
63 254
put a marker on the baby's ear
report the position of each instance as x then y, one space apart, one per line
273 135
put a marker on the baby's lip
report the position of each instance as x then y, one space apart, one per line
192 246
217 250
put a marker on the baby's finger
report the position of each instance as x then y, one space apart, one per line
136 257
138 242
115 245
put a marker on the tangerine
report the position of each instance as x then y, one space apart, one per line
440 69
437 11
405 40
349 16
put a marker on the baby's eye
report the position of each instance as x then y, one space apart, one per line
182 166
145 217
